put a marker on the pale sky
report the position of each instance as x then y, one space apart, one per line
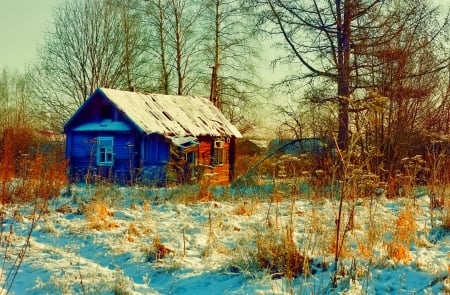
22 27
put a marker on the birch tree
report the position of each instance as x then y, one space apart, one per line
185 44
185 41
155 19
231 54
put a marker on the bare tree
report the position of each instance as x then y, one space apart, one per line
174 45
184 40
406 69
318 35
92 43
155 19
16 103
231 53
337 41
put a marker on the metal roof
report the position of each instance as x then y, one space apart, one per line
171 114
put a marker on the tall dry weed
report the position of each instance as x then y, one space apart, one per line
405 226
354 180
446 214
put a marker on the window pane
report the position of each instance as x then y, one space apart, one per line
105 151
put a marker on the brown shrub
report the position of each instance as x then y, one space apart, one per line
132 232
159 250
278 253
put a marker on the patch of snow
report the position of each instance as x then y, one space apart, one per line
210 248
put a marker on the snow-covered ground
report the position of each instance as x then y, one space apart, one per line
106 242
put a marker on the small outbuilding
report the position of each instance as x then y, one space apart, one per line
156 139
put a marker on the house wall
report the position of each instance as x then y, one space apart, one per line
147 158
216 174
155 152
82 155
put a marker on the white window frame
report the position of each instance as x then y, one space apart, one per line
105 151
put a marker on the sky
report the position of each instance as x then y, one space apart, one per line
22 28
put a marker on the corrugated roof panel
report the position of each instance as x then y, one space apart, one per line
170 114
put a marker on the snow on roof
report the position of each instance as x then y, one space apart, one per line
171 114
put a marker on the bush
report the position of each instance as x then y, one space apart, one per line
278 253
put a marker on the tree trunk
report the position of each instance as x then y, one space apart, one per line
343 58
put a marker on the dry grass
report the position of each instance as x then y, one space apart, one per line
278 253
273 248
372 236
246 208
132 232
398 252
343 251
98 216
277 197
157 250
27 171
405 226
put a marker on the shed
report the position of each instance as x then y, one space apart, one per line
313 146
156 139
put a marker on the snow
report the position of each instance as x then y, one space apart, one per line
172 114
211 245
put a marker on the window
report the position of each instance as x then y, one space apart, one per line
105 151
106 112
219 152
191 158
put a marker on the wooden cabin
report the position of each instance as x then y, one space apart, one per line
155 139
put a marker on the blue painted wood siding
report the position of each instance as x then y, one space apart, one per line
155 156
82 152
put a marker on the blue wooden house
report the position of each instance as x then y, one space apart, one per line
158 139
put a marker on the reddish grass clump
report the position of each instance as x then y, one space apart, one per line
399 252
245 209
404 233
30 166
